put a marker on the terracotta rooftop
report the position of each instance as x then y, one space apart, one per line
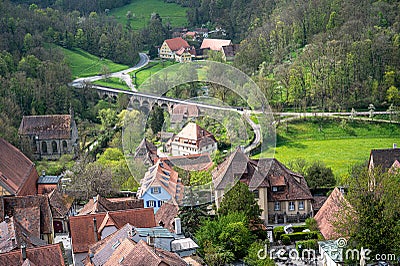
384 158
59 204
49 255
192 162
32 212
215 44
17 173
82 231
143 254
165 216
177 43
99 204
13 235
46 126
328 215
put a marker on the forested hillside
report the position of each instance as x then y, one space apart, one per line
327 54
33 72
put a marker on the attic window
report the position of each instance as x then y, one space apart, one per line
116 244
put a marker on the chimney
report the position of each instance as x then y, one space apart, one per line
94 199
150 240
394 145
23 252
178 229
95 229
43 173
6 218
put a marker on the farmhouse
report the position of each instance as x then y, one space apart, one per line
283 195
177 49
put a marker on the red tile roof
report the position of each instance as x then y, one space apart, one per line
215 44
177 43
46 126
49 255
13 235
143 254
166 215
17 173
328 215
82 231
31 211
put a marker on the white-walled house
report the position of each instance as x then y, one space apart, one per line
192 139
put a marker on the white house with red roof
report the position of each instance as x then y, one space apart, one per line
177 49
193 140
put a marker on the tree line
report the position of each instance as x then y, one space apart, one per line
329 54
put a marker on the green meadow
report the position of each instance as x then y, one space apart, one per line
83 64
153 67
113 83
336 143
141 11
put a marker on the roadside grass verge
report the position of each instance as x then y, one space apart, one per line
113 83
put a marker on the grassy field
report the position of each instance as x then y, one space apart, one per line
152 67
84 64
338 144
142 10
113 83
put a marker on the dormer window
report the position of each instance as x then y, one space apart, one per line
274 189
278 188
155 190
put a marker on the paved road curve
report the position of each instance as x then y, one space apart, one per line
144 60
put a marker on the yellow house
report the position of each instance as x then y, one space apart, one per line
176 49
283 195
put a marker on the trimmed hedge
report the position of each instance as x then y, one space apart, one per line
306 244
278 231
301 236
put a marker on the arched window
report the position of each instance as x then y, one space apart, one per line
44 147
65 146
54 146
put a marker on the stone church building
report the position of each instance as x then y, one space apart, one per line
48 136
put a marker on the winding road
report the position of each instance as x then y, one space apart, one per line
144 60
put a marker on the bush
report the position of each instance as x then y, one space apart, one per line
312 224
286 240
278 232
301 236
306 244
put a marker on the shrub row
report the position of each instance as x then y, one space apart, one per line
301 236
278 231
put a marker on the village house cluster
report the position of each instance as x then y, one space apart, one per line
41 225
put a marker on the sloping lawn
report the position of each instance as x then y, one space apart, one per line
83 64
142 9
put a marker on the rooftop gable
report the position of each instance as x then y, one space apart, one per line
82 227
384 158
16 170
177 43
328 215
